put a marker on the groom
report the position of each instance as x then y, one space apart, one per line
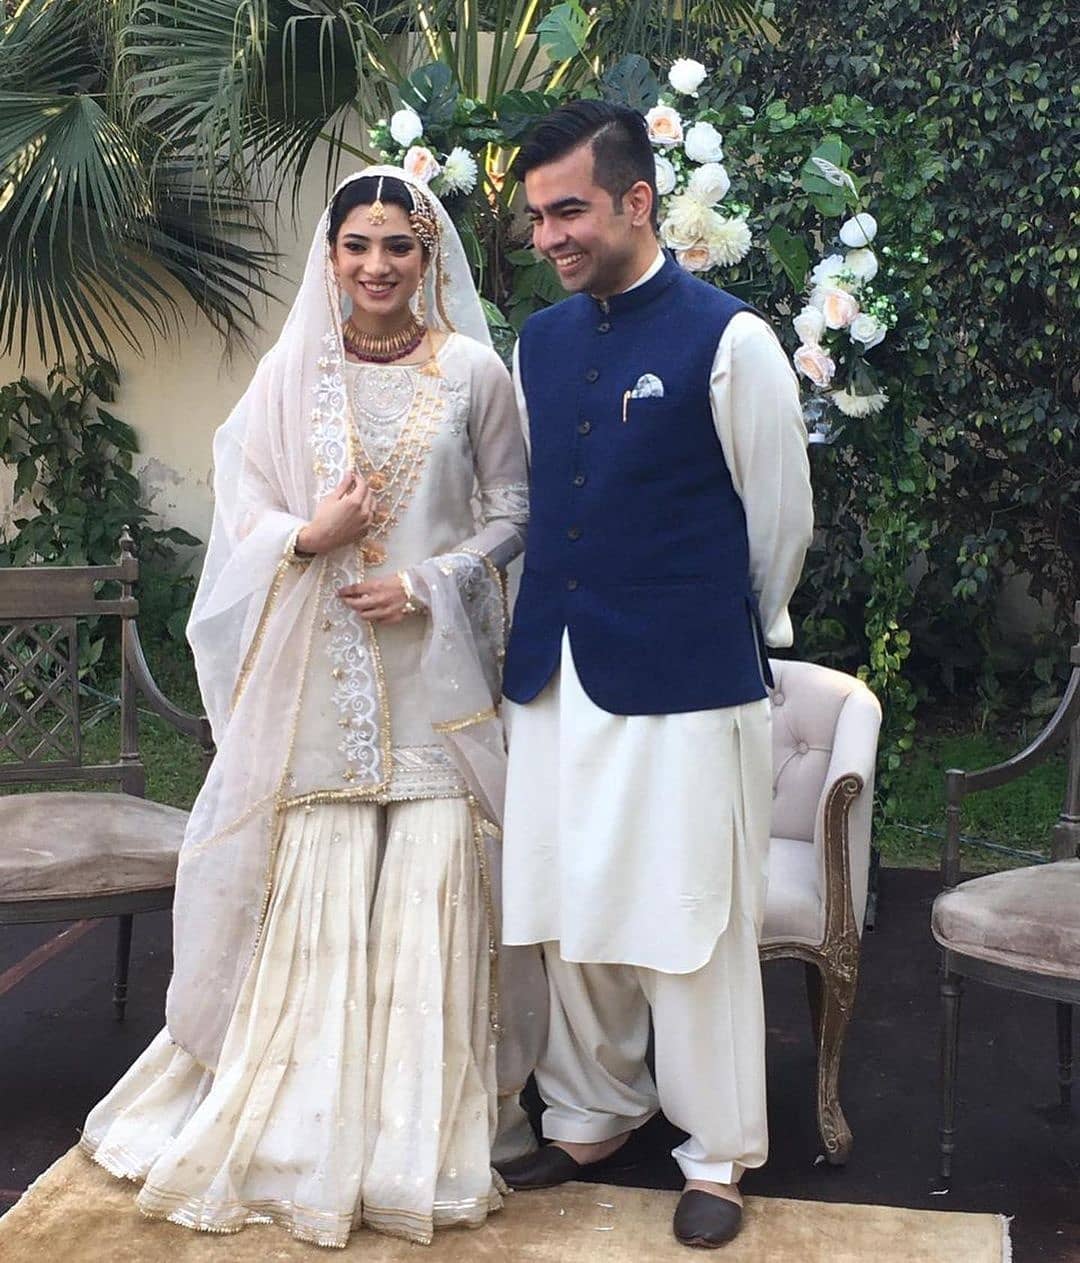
670 514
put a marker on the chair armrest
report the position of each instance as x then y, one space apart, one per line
842 828
196 726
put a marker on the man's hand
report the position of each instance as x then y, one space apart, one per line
342 518
377 600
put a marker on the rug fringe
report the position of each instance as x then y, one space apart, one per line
1006 1238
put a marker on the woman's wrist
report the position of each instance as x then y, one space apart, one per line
304 544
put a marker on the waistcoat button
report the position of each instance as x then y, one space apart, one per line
574 532
592 374
584 427
571 585
579 480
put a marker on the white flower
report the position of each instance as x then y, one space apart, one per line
815 364
406 126
665 126
863 263
421 164
729 241
809 325
686 76
838 307
852 405
703 143
859 230
665 176
868 330
459 171
687 222
709 183
695 258
826 272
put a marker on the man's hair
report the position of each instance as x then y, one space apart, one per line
622 152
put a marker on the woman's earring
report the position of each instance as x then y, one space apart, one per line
421 302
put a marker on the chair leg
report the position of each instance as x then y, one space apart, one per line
952 987
836 991
123 959
1065 1052
813 998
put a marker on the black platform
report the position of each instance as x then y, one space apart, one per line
60 1050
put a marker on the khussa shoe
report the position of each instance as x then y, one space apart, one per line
705 1220
550 1165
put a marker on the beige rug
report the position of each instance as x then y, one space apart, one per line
75 1212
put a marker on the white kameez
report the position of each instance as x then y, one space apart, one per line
321 1115
620 829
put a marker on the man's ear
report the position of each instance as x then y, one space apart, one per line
638 201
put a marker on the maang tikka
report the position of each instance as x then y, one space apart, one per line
376 215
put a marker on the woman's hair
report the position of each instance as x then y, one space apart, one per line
617 135
365 191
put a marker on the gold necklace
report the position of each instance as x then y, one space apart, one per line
383 348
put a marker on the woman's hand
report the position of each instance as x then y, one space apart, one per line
378 600
342 518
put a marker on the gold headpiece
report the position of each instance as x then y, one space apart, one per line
422 219
377 211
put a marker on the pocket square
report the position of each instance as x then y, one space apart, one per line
648 387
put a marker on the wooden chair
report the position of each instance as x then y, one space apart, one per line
1019 930
66 855
825 729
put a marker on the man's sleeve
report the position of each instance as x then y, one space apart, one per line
523 411
758 417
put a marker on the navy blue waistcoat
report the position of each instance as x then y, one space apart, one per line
637 538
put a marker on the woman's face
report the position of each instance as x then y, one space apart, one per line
379 266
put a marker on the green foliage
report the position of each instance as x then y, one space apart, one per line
73 462
974 177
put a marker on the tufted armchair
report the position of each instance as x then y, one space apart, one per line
824 733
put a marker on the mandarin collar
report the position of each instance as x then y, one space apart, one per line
641 295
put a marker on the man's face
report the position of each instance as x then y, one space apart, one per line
591 244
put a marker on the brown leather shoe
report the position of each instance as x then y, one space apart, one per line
549 1165
705 1220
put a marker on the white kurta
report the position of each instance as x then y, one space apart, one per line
621 831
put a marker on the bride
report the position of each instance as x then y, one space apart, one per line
332 1026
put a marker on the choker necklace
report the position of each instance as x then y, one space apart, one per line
383 348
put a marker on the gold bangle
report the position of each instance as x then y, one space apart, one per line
412 605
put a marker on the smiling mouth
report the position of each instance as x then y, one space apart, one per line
567 261
377 288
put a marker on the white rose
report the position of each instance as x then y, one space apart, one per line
406 126
827 270
665 126
421 164
814 364
709 184
838 307
695 258
859 230
686 76
665 176
459 171
703 143
863 263
809 325
868 330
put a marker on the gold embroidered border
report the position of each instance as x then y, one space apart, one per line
498 577
456 725
272 595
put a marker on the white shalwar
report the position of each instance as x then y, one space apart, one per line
636 846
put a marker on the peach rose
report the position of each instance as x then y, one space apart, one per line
839 308
695 258
815 364
421 164
665 126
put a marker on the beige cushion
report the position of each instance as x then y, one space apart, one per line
795 902
1028 918
69 844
